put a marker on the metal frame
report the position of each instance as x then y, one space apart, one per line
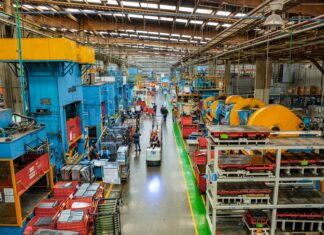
277 145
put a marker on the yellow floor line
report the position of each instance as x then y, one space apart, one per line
203 199
187 193
108 192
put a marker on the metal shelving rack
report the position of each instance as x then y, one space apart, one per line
277 200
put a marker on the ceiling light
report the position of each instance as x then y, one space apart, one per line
164 34
43 8
274 20
212 23
113 34
151 17
223 13
135 16
103 32
151 37
28 6
203 11
186 9
208 39
240 14
193 41
130 4
173 39
186 36
182 40
196 37
181 21
88 11
123 34
226 25
196 21
166 19
130 30
112 2
139 31
161 38
119 15
167 7
153 33
133 35
72 10
143 36
203 42
149 5
94 1
175 35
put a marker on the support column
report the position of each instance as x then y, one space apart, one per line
263 76
212 67
227 77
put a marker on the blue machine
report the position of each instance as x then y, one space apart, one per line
132 72
23 147
55 99
95 101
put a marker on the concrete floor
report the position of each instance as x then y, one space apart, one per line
154 198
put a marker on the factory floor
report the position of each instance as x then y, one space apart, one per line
154 198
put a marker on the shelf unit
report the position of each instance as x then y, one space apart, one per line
279 198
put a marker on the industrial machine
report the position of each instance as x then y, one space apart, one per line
26 176
95 113
54 90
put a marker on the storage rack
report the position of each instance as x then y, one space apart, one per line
279 198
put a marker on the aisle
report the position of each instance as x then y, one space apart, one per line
154 199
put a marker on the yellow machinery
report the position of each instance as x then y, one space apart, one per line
206 104
233 99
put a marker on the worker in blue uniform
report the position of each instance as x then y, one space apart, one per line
136 138
104 153
93 153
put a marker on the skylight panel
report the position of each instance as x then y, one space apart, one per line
149 5
166 19
223 13
183 40
151 17
181 20
226 25
193 41
212 23
133 35
240 14
130 4
135 16
203 11
196 21
186 9
167 7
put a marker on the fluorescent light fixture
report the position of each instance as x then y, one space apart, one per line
257 29
196 37
105 13
203 42
72 10
143 36
175 35
94 1
43 8
223 13
212 23
166 19
113 34
103 32
193 41
173 39
112 2
208 39
186 9
226 25
28 6
151 17
196 21
149 5
181 21
153 33
156 48
88 11
240 14
130 31
161 38
135 16
186 36
203 11
119 15
151 37
133 35
130 4
123 34
73 30
164 34
63 29
167 7
139 31
182 40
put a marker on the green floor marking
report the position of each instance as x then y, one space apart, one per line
197 205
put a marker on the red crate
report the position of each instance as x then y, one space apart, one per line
186 120
200 171
141 103
62 192
31 228
31 173
200 157
202 143
188 129
255 217
50 211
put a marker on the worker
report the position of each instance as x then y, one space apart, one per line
104 153
154 139
93 153
164 111
136 138
175 113
154 108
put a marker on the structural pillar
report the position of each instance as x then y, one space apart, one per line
263 76
227 77
212 67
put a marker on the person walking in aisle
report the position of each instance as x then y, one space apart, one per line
137 141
